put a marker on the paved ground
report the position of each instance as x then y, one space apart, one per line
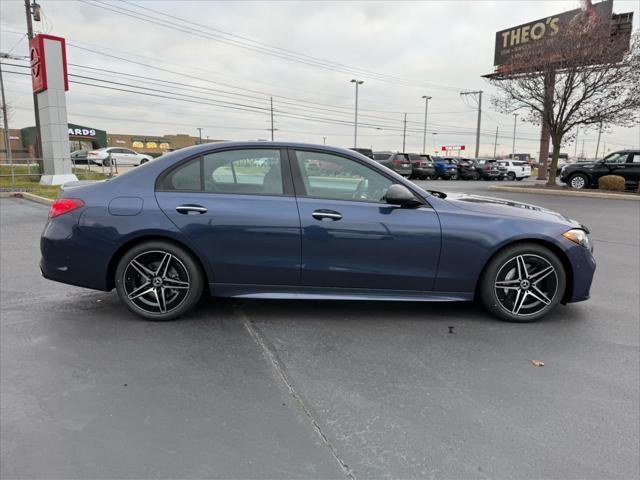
272 389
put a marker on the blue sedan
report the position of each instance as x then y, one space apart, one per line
284 220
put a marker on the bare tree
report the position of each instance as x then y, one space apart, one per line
587 77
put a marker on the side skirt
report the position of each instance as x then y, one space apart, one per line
291 292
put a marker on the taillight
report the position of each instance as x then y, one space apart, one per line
397 162
64 205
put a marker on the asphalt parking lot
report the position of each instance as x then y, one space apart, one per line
284 389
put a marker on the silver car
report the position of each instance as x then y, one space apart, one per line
118 155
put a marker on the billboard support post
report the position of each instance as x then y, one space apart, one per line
549 87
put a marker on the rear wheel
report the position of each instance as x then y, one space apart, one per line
106 162
144 160
158 280
511 176
522 283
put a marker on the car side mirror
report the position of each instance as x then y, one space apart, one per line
400 195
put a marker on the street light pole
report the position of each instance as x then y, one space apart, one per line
5 120
200 135
495 144
404 133
598 144
479 94
355 123
513 147
424 136
272 129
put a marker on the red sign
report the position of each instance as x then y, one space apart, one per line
444 149
462 147
39 65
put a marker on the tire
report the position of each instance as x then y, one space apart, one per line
159 266
501 177
106 162
578 181
445 178
476 176
511 176
527 295
519 179
144 160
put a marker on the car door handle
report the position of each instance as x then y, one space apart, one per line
326 214
189 209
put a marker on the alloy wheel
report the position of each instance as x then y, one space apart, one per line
577 182
156 282
526 284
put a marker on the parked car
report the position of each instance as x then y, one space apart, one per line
121 156
367 152
173 228
469 169
79 157
398 162
561 163
446 168
422 166
516 170
625 163
491 170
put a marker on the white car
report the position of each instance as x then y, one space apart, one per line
121 157
516 170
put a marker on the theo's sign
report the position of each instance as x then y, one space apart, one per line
544 33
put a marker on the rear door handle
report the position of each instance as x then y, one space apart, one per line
326 215
190 209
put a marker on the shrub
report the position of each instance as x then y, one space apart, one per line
611 182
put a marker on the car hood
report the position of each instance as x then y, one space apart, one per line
508 208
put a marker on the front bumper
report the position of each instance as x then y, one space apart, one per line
583 267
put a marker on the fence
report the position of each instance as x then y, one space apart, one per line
20 170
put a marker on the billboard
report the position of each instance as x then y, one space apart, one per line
543 35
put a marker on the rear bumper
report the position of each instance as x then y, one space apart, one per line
70 257
421 171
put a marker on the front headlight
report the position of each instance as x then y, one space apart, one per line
580 237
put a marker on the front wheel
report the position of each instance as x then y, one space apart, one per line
511 176
578 181
522 283
158 280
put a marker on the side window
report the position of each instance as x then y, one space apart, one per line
636 158
339 178
185 178
618 157
251 172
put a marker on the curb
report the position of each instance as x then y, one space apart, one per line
27 196
567 193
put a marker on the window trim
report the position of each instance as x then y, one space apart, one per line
287 178
301 190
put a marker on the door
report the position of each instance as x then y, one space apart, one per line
351 238
238 209
633 168
614 164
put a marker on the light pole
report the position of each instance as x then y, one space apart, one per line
426 109
200 135
355 124
513 147
434 141
324 140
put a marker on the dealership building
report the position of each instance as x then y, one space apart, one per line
83 137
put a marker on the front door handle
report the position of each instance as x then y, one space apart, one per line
190 209
326 215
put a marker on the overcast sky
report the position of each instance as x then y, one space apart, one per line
435 48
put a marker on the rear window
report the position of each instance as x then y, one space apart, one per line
520 164
402 156
381 156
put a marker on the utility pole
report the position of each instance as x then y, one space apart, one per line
272 129
513 147
479 94
7 139
404 133
598 144
426 109
200 135
35 11
575 151
495 144
582 154
324 140
355 123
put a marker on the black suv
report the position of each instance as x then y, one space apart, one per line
492 170
625 163
422 166
468 169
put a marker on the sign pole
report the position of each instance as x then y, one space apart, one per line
549 87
